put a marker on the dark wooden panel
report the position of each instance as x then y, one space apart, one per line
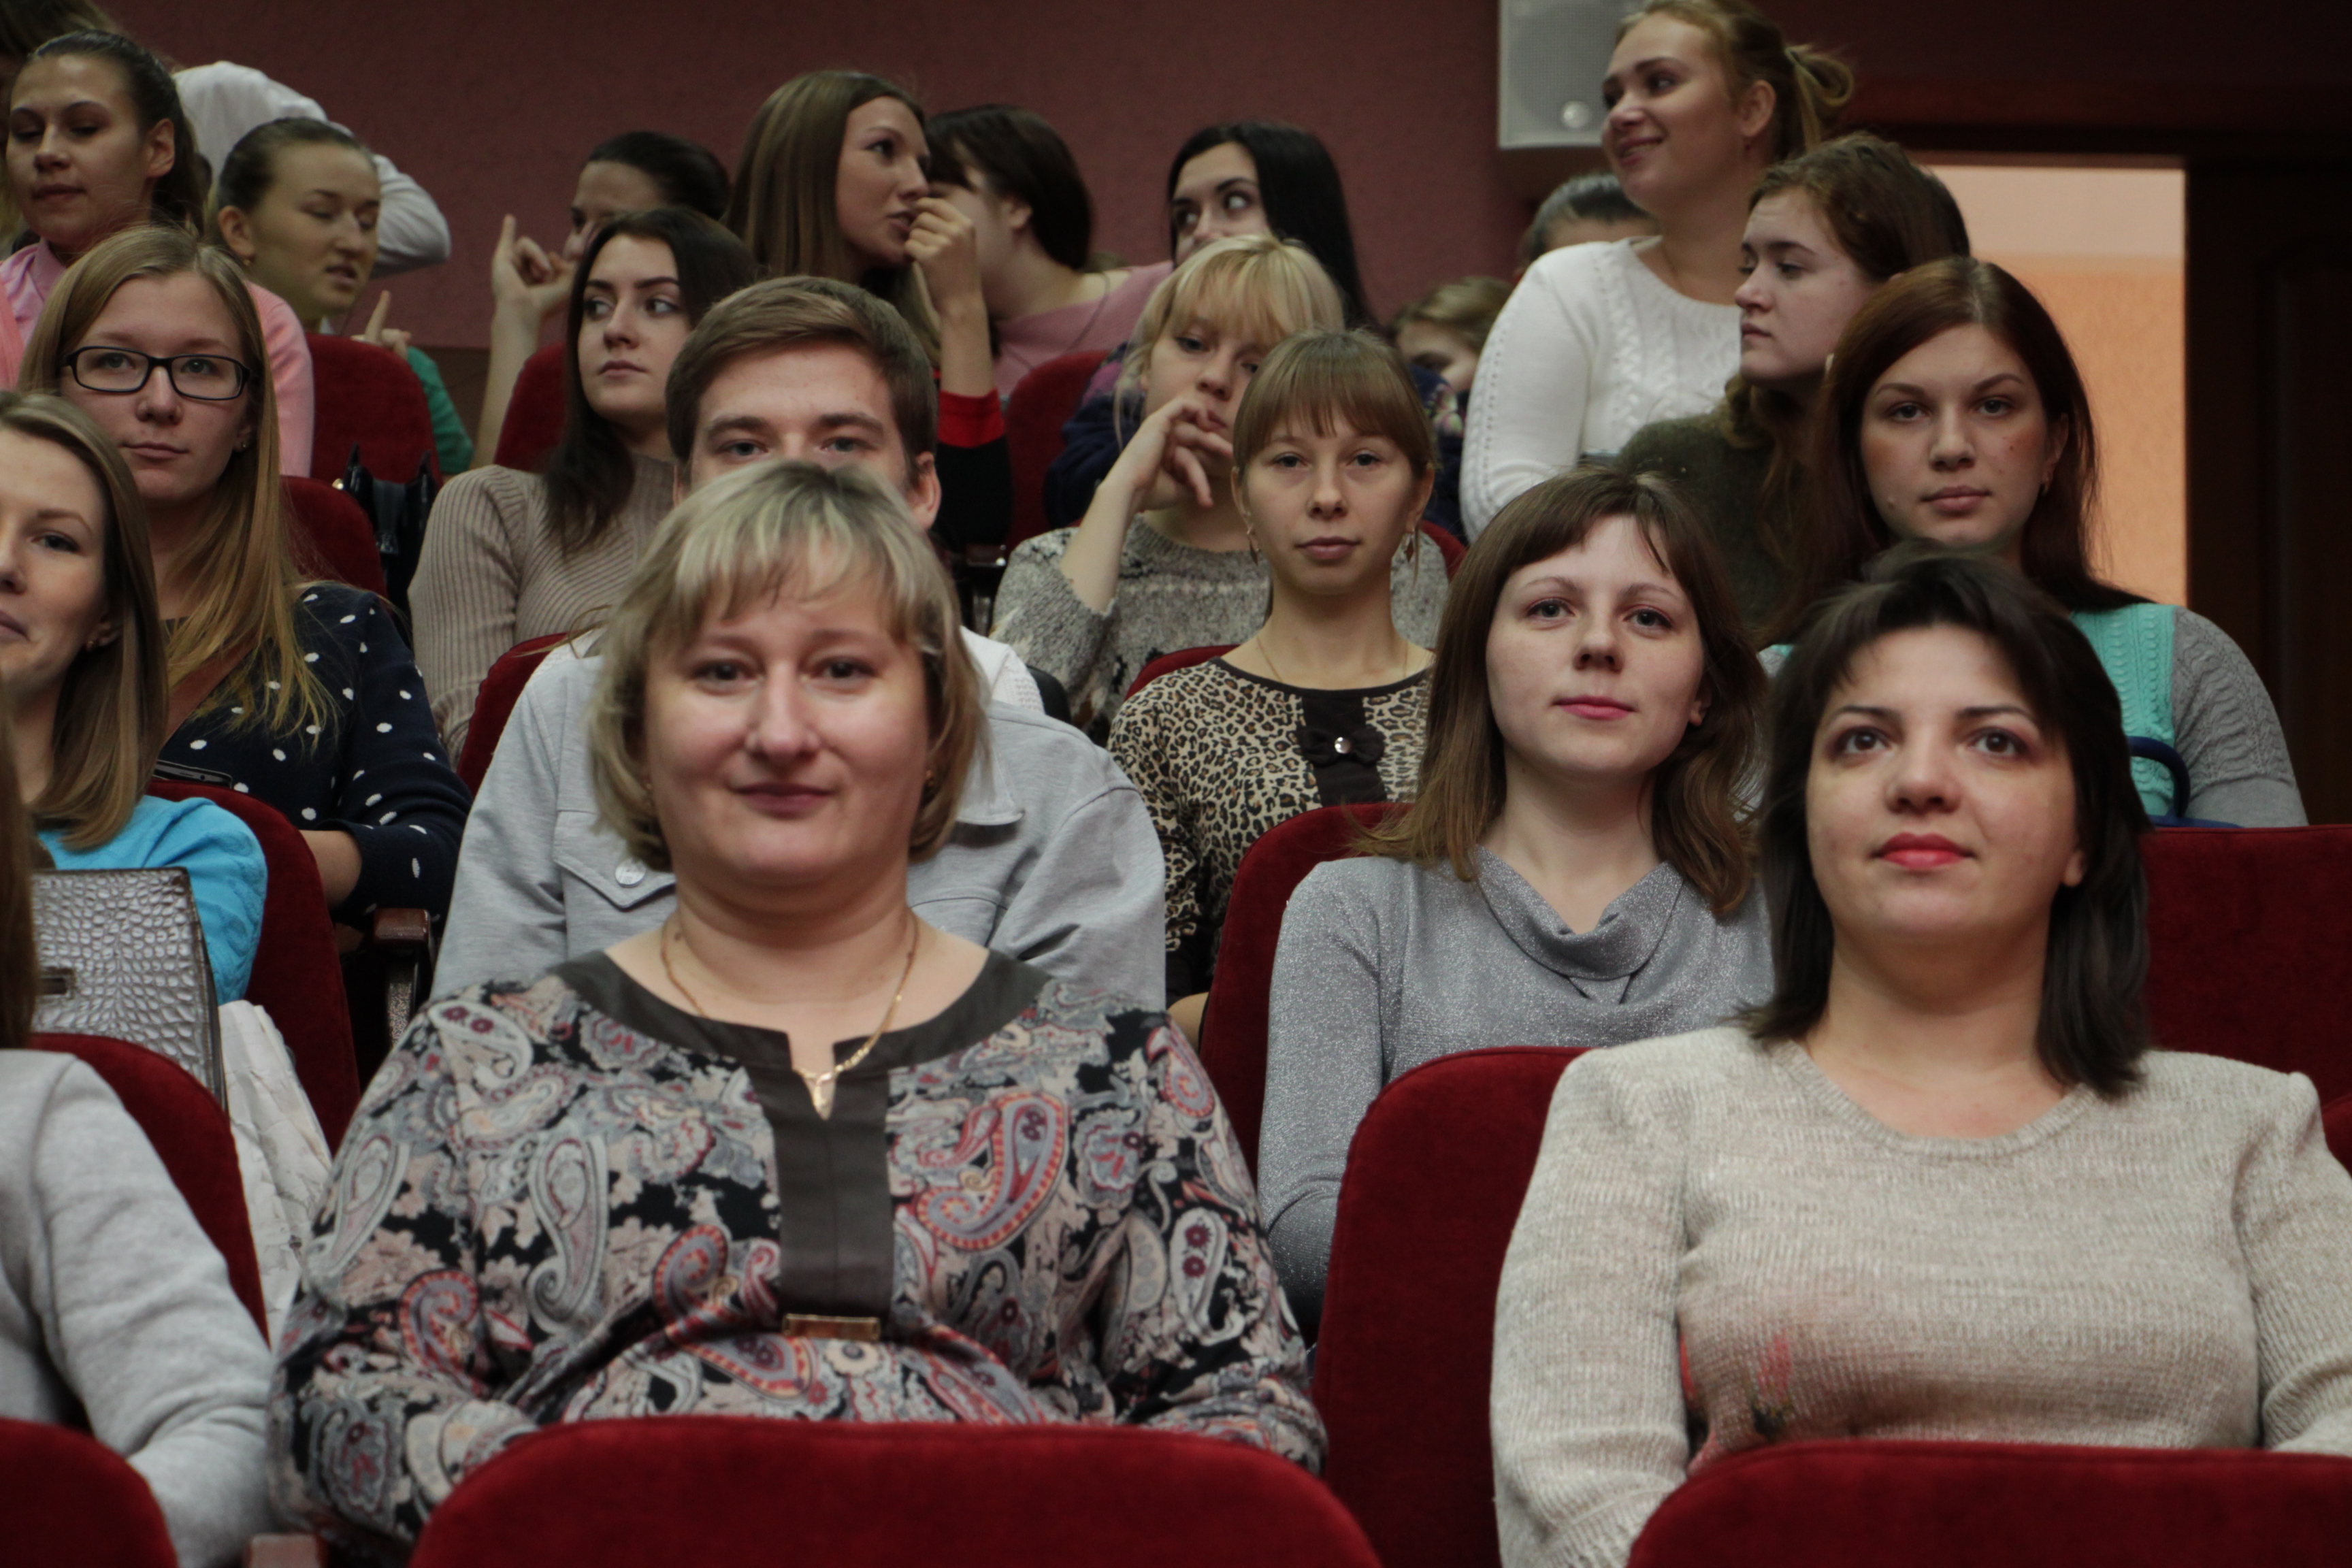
2308 394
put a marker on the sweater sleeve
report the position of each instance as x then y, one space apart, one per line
2295 1221
1587 1399
1526 407
506 917
290 375
1193 1332
1041 617
468 583
975 466
2227 732
384 1398
1326 1063
395 794
140 1322
230 879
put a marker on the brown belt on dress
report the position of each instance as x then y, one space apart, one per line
814 1326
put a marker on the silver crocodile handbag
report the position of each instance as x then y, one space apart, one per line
122 955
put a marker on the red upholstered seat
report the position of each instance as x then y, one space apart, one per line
2251 952
535 413
296 976
1962 1505
1232 1028
494 705
368 397
1033 417
1449 548
2336 1120
1406 1353
191 1135
68 1498
841 1492
1169 663
334 538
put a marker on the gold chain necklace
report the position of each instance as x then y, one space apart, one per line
821 1085
1404 662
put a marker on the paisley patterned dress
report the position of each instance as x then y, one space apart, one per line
574 1201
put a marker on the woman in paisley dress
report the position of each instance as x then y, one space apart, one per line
642 1184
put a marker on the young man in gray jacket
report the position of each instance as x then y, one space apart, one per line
1053 858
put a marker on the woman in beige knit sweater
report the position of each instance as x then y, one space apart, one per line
511 555
1939 1186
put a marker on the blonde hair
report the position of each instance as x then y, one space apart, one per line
1263 287
110 713
783 207
241 572
780 529
1811 87
1467 306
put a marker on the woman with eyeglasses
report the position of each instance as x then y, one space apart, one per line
301 694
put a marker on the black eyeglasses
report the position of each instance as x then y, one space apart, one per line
208 378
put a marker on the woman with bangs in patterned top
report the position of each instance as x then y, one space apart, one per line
1326 702
850 1167
301 694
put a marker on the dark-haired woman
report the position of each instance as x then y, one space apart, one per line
1825 229
1251 176
1008 172
98 144
1601 340
1573 872
301 204
1954 412
513 555
633 171
1909 1198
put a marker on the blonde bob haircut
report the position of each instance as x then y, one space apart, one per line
1697 822
795 531
110 713
783 206
242 579
1253 285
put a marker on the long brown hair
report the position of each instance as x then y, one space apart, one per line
1811 87
241 574
1843 527
1888 214
1695 818
783 205
110 713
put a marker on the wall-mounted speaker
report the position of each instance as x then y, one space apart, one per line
1553 57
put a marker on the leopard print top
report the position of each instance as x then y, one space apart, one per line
1221 756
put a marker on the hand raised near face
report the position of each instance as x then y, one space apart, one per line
525 277
946 245
384 337
1170 452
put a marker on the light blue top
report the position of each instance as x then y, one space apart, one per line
225 872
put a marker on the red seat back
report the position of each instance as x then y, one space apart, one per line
2336 1120
1960 1505
297 974
191 1135
1169 663
1033 417
334 537
2249 955
1449 548
68 1498
535 413
1233 1029
1405 1359
369 397
887 1493
502 688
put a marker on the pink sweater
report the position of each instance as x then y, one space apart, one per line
29 278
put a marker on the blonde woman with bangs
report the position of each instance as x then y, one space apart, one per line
1163 558
822 1223
301 694
81 672
1326 702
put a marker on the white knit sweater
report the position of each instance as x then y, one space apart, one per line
2163 1270
1592 346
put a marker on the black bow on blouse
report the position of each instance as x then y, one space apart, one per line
1327 748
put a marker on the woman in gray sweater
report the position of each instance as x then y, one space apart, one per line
1574 872
1911 1198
